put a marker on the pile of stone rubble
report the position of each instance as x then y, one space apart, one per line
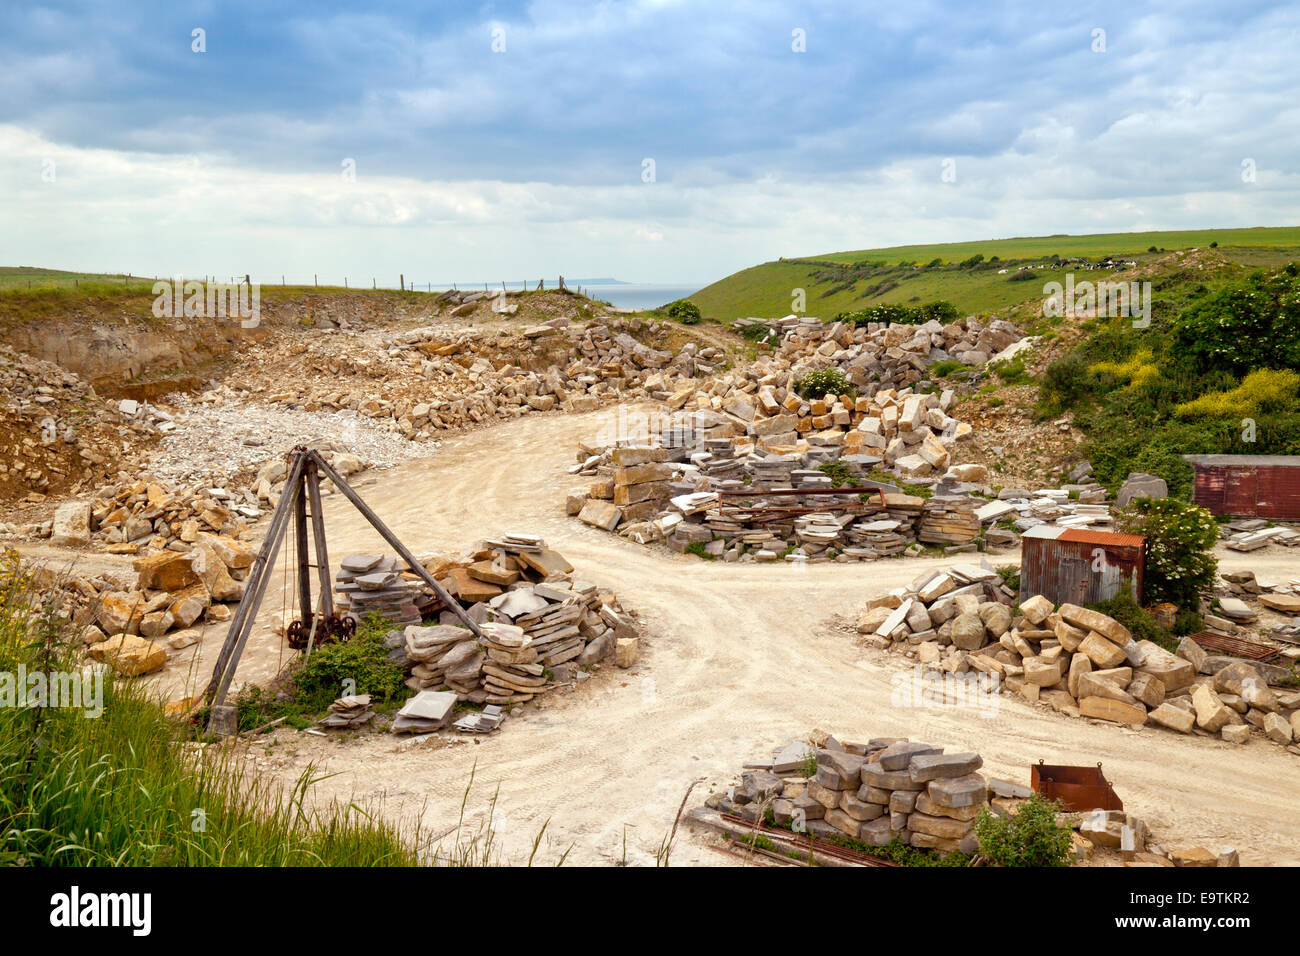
892 789
152 513
1081 662
1237 594
872 357
135 624
57 435
424 381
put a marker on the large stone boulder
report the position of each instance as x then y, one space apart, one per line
129 655
997 618
1139 485
165 571
1245 680
71 524
1089 620
119 612
1211 712
968 631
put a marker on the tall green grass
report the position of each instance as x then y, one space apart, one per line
128 788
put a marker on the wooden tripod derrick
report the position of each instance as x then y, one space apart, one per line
301 489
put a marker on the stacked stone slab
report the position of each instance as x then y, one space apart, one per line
539 625
875 793
368 584
893 788
949 519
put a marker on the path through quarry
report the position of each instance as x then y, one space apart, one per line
735 659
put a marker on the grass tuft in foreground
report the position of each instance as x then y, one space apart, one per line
126 789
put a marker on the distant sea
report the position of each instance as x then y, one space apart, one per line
633 296
621 295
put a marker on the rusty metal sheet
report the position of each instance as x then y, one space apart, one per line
1063 570
1279 493
1257 490
1235 646
1109 539
1078 788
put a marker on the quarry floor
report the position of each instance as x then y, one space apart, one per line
735 661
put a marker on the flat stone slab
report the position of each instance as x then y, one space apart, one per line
792 757
360 563
927 767
898 756
431 705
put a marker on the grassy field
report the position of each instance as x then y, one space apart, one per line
1100 244
30 278
54 295
909 274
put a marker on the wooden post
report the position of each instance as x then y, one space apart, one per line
304 558
326 600
314 281
402 280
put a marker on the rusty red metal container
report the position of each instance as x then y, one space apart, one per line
1255 486
1072 566
1078 788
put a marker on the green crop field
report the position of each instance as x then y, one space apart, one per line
840 281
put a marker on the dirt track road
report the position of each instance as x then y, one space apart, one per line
736 659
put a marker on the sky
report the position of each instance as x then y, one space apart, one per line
663 141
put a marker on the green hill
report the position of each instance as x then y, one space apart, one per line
969 274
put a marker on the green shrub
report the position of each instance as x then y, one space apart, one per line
1010 574
757 332
1248 324
1012 371
684 311
1180 562
1264 389
1029 837
839 472
363 662
697 548
947 367
824 381
939 310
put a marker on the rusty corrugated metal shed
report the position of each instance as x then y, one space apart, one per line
1070 565
1257 486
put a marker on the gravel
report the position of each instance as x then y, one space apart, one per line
233 438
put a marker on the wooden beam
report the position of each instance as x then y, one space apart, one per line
318 535
304 557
